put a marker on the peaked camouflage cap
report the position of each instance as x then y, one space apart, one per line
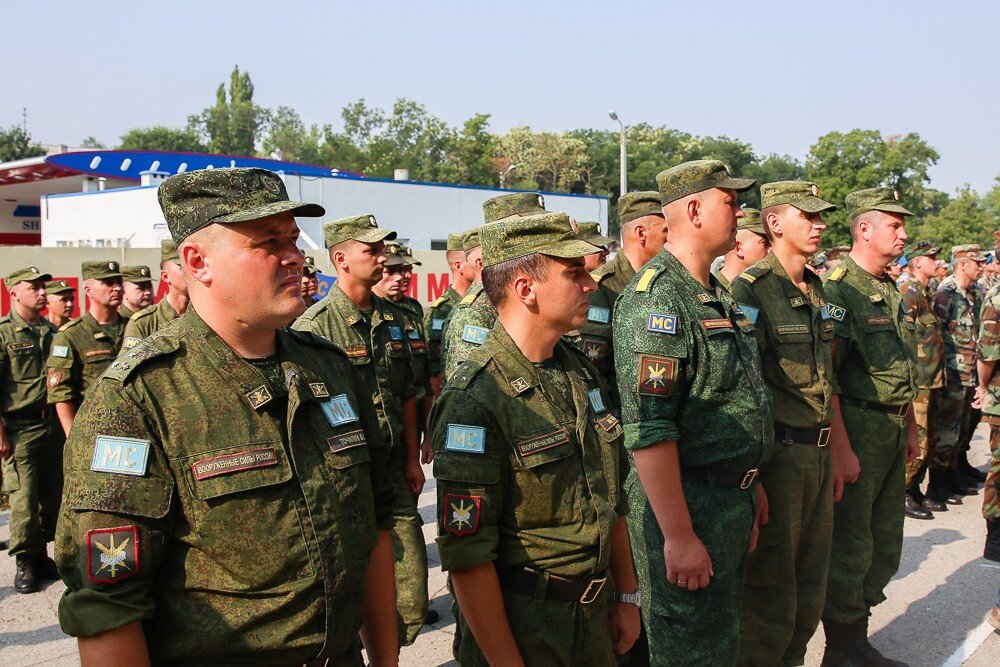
591 233
516 203
817 260
26 274
362 228
635 205
554 234
968 251
695 176
394 254
454 242
751 221
137 274
309 266
470 239
100 270
874 199
921 249
58 287
168 252
407 252
196 199
803 195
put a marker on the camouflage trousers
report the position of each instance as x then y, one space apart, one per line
925 415
550 633
868 520
410 554
991 492
34 478
786 574
693 627
953 423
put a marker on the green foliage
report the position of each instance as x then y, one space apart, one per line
289 139
16 144
967 218
234 123
92 143
160 138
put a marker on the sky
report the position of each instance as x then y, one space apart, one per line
775 74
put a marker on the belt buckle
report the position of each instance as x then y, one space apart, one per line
748 478
824 437
587 597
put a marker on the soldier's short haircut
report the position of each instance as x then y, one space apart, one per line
777 209
451 255
497 278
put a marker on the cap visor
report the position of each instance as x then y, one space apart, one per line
570 249
374 235
756 229
257 212
600 240
893 208
43 276
395 260
814 205
738 184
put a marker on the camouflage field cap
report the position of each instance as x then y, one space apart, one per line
635 205
874 199
58 287
591 233
454 242
362 228
968 251
751 221
394 255
554 234
803 195
100 270
26 274
407 253
838 252
168 252
196 199
470 239
309 266
817 260
695 176
921 249
516 203
136 274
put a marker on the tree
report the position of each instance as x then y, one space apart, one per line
289 139
772 168
16 144
234 123
967 218
161 138
92 143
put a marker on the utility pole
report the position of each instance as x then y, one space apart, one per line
24 119
623 155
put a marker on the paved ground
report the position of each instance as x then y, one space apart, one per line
934 615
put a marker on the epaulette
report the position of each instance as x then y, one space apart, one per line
438 301
646 278
5 319
145 312
596 275
468 298
72 323
466 371
752 273
838 273
148 348
310 338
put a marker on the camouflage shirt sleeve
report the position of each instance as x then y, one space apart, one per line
740 289
989 328
381 481
841 328
64 371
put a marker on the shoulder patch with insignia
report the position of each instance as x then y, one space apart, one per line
657 375
520 385
318 389
395 333
467 439
595 350
338 411
249 459
437 324
126 456
797 301
54 377
596 400
475 335
60 350
112 554
461 513
835 312
130 342
748 310
661 323
258 397
599 314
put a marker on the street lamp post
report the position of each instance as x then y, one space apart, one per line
503 175
623 151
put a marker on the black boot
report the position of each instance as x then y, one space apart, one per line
839 651
992 550
960 485
868 654
915 510
938 487
24 579
934 505
967 469
45 567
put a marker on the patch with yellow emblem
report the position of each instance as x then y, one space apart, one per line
657 375
595 350
112 554
461 513
54 377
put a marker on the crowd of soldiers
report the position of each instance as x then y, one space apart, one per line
640 457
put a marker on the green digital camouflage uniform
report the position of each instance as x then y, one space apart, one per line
874 375
148 321
751 222
133 274
434 320
989 350
234 539
413 315
33 474
786 574
375 344
689 371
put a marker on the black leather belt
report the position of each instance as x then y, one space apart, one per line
787 435
898 410
715 477
31 414
525 581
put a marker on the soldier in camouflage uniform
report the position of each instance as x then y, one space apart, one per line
30 437
529 463
441 307
59 299
137 290
988 400
875 380
150 320
256 537
956 305
474 315
372 331
310 282
929 346
786 575
84 347
591 233
752 245
698 422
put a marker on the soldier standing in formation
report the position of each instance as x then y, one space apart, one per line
752 245
371 331
698 422
137 290
84 347
874 378
529 464
153 318
31 439
786 574
264 535
461 279
591 233
310 282
988 400
59 299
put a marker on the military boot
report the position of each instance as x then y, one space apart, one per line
959 484
992 550
967 469
868 654
46 568
840 650
938 488
915 510
24 578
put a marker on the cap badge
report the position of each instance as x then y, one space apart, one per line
144 271
574 225
371 221
895 193
541 201
270 185
815 190
34 270
111 265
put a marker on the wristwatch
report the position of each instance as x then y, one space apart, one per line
631 598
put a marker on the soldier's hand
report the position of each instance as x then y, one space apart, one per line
846 469
624 626
977 401
6 449
426 452
688 563
414 477
760 517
